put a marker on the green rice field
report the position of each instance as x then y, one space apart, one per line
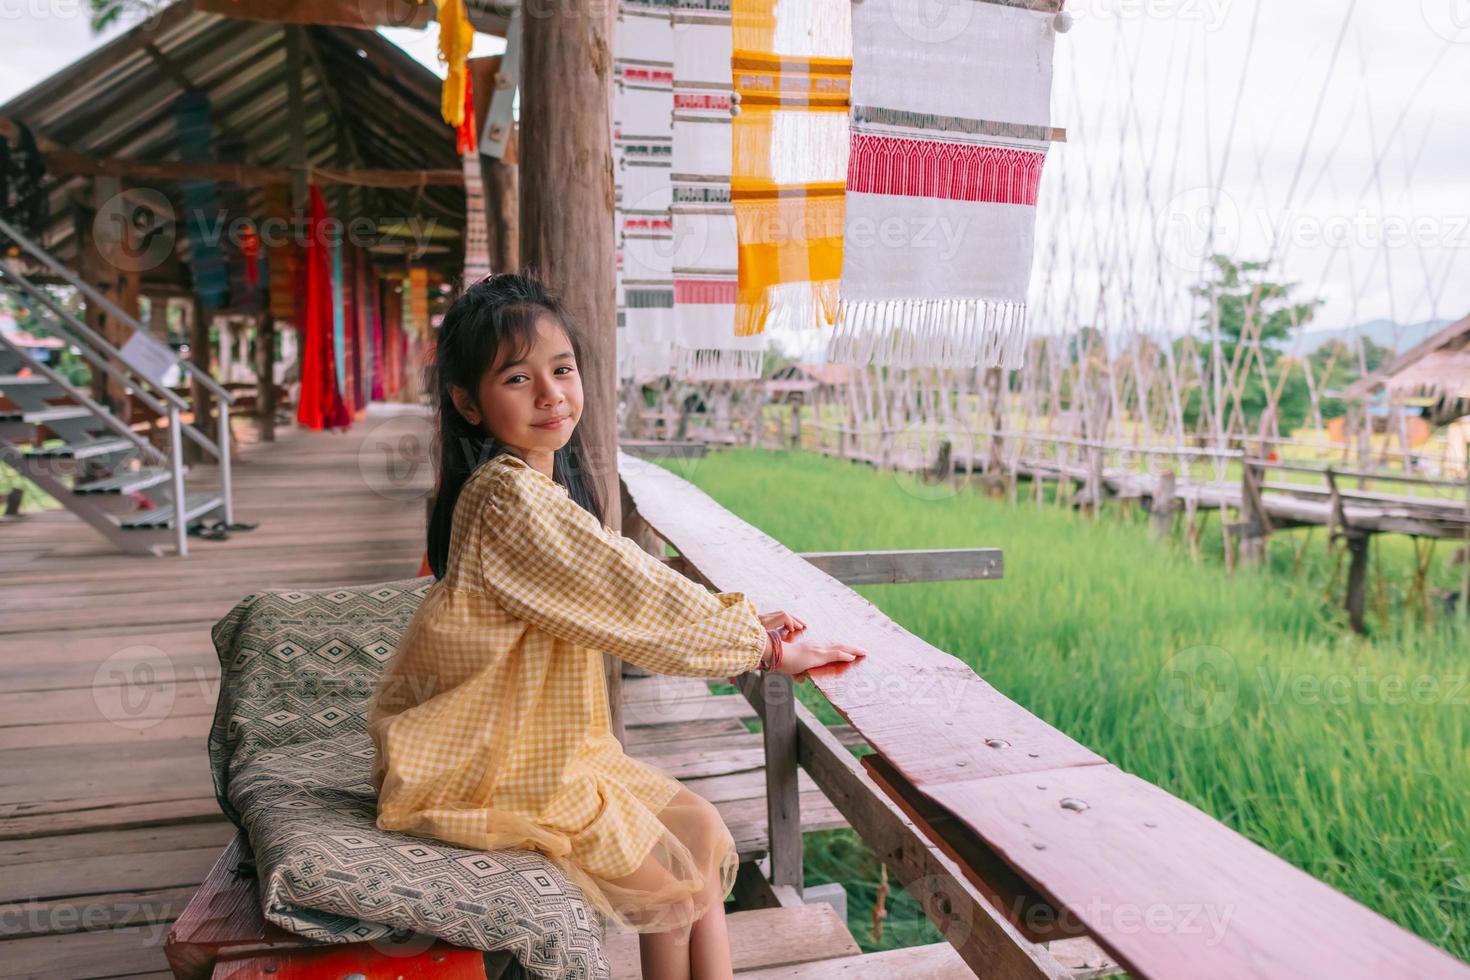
1347 756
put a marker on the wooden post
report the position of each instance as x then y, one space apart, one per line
199 356
1357 542
1465 556
107 277
265 358
994 479
1161 510
501 177
795 407
783 795
227 333
1255 523
566 218
1357 576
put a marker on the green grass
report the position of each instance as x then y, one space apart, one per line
1243 694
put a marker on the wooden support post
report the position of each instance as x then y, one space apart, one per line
1357 542
1165 501
265 358
499 175
1255 523
783 796
199 356
795 407
566 214
1357 577
226 349
994 479
1465 559
97 265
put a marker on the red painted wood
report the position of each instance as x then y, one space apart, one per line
440 961
968 748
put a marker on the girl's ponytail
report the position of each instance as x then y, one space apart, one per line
492 321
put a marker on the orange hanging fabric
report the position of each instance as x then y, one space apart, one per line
456 37
789 166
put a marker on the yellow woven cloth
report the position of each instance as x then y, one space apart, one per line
491 721
791 65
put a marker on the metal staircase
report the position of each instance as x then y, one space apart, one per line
110 476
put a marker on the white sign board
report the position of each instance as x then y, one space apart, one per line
152 358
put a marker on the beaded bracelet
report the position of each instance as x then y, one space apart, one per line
776 649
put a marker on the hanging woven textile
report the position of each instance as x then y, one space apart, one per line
942 183
476 232
456 37
706 258
643 153
416 323
792 71
320 404
206 259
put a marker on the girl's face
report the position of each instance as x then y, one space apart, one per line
515 400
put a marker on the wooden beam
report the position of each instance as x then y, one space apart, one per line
915 565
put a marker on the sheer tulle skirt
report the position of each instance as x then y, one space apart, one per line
689 868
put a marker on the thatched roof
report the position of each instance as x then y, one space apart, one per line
1438 367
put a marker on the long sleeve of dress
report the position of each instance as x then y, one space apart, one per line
551 563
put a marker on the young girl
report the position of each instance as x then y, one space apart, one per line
491 721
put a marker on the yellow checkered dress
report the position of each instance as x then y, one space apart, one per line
491 720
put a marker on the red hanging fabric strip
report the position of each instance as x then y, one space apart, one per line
465 133
320 405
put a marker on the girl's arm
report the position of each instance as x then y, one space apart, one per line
550 562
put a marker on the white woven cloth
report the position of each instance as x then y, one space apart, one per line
476 230
643 138
705 255
951 121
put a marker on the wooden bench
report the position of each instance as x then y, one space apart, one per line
222 936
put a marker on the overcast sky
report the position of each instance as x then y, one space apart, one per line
1152 92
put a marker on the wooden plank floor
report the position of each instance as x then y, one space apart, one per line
108 820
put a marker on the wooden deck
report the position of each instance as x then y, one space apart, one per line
108 820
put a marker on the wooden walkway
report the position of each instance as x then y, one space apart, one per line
108 820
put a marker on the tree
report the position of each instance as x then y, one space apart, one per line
1259 315
106 13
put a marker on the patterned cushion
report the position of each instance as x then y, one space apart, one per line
292 764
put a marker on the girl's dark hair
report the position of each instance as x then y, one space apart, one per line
492 322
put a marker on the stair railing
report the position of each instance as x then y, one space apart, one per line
88 340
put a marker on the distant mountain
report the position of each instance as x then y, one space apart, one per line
1384 333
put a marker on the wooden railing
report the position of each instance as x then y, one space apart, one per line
1008 832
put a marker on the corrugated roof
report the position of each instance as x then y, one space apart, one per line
368 104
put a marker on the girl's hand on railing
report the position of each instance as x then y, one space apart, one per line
784 621
800 656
